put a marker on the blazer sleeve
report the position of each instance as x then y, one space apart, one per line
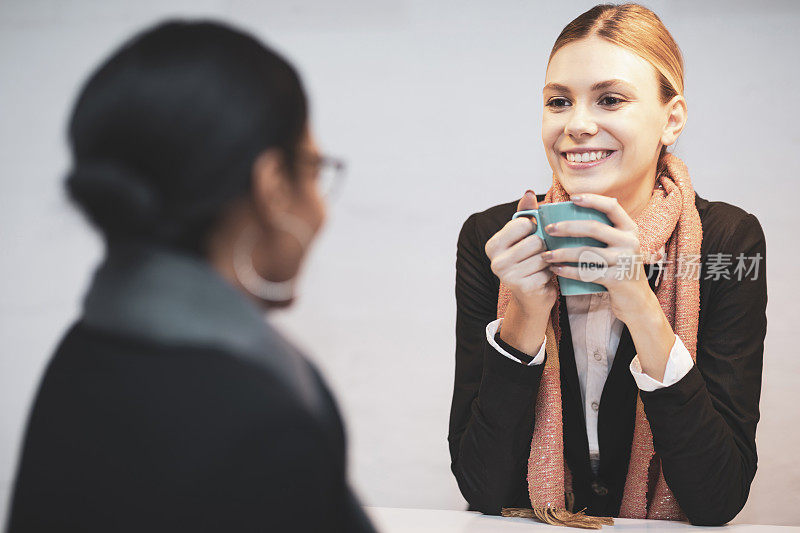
704 425
492 412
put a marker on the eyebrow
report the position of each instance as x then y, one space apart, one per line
596 87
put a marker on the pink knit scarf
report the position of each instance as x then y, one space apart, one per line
670 219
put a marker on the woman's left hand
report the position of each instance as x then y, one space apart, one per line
623 275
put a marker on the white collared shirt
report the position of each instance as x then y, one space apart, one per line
595 336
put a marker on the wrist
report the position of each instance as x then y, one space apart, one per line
646 314
522 329
637 303
653 338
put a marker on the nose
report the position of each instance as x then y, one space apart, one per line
580 122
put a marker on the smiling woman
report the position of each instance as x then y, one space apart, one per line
630 119
640 401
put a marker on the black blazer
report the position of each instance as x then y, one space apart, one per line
703 426
172 406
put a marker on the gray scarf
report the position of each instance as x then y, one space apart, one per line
173 298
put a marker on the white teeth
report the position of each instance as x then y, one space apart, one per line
587 157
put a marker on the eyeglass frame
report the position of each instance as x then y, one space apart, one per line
322 161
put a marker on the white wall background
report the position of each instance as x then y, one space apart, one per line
437 108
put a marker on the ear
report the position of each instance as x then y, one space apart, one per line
271 188
676 120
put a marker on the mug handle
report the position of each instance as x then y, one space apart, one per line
535 213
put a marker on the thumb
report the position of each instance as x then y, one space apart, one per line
528 201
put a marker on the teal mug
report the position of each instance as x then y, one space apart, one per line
559 212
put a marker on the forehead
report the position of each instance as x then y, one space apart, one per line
583 63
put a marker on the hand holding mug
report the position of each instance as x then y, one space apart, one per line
628 291
516 258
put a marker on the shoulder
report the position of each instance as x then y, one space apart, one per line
174 377
171 410
727 228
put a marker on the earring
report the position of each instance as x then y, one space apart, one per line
252 281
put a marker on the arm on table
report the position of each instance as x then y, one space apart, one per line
492 412
704 425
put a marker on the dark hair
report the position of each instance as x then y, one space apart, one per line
165 132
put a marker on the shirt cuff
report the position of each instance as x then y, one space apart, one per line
678 365
493 328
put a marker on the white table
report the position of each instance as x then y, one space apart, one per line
392 520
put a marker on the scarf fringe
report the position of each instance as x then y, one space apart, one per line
559 517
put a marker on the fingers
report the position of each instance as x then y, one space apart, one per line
594 229
566 271
529 266
582 254
608 205
513 232
528 247
528 201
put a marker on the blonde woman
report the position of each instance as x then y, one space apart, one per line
640 401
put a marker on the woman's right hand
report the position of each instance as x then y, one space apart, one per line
516 258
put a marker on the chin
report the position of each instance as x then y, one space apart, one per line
582 184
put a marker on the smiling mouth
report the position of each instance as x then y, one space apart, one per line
595 156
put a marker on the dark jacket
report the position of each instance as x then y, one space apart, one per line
172 405
703 426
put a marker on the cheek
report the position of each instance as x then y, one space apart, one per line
322 213
636 134
316 203
551 134
551 131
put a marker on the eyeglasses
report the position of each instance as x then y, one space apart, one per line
330 172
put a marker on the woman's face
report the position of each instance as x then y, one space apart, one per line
603 122
290 209
309 202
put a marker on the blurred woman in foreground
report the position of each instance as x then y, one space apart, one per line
171 405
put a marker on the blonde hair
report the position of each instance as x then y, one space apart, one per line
638 29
